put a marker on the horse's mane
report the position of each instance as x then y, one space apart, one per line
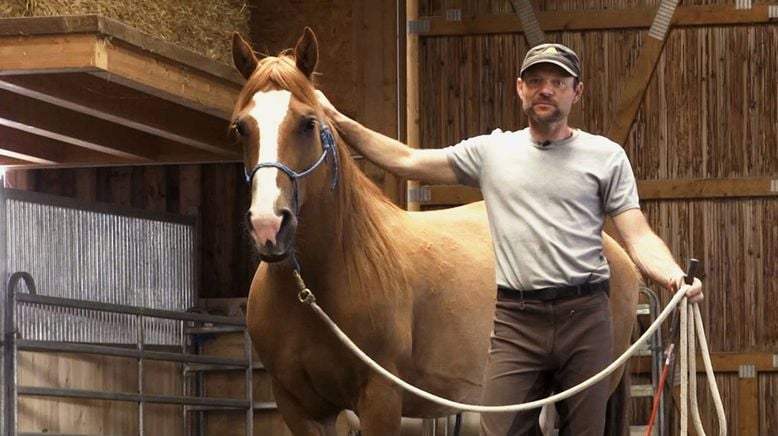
362 209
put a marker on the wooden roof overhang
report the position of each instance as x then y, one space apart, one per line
91 91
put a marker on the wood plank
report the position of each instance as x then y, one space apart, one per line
189 189
53 122
48 53
454 195
748 405
412 123
165 78
708 188
605 19
94 25
41 150
721 362
87 94
48 25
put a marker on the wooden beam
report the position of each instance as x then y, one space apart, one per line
54 122
86 94
162 77
33 148
116 52
533 31
606 19
635 88
11 162
454 195
412 125
748 401
721 362
708 188
47 53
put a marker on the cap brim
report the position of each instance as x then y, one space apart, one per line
548 61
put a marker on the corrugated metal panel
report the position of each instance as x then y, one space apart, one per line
93 255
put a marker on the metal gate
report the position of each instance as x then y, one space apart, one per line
106 280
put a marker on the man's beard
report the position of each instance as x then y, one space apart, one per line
548 118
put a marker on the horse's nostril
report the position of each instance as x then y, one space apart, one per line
286 216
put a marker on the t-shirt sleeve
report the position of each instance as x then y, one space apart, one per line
466 158
620 192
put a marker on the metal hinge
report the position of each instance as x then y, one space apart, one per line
746 371
419 195
418 26
453 14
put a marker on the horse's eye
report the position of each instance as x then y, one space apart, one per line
309 125
239 128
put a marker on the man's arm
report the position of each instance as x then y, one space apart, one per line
650 253
430 165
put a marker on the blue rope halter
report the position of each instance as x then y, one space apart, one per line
328 146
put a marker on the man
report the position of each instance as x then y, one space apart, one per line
548 189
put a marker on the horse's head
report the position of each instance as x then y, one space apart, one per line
287 148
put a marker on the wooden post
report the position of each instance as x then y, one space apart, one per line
412 92
748 400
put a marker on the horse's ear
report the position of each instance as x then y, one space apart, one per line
243 56
306 52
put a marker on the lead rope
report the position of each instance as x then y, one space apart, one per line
690 320
306 296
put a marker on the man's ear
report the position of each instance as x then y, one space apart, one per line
519 88
578 92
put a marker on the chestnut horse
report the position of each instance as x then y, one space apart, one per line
414 290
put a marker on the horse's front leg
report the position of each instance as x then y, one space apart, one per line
379 407
296 418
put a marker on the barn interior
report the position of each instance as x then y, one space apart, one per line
124 108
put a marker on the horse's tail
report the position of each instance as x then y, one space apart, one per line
617 413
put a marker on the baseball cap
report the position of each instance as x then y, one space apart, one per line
551 53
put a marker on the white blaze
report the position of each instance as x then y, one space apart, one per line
270 109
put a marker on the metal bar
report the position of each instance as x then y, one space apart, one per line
256 366
6 295
249 382
141 411
106 350
259 406
131 397
213 330
53 434
131 310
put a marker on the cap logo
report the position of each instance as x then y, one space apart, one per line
550 50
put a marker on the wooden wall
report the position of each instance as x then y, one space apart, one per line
358 61
112 374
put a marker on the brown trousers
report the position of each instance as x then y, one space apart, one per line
540 347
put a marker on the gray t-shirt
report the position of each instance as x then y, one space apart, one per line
547 204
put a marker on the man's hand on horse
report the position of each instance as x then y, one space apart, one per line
329 109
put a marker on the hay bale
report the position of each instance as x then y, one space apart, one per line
201 26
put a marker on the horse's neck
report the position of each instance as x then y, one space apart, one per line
339 226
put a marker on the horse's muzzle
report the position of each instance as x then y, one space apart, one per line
280 246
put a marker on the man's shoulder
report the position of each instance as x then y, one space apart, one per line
598 143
